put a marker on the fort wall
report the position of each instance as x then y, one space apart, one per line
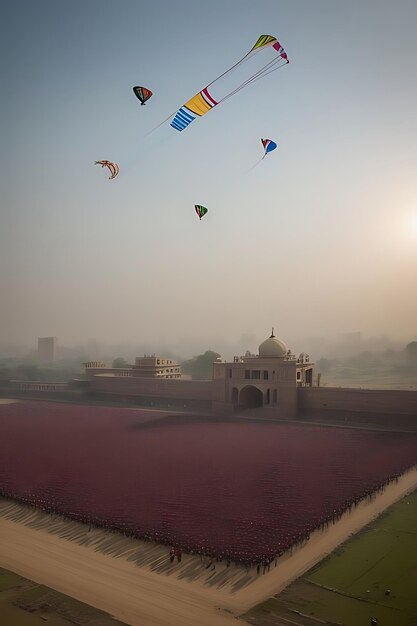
382 406
386 401
166 388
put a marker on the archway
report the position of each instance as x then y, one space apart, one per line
250 397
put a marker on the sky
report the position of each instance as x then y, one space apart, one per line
318 239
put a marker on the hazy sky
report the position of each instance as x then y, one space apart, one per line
320 238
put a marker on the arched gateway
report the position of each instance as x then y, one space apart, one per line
268 380
250 397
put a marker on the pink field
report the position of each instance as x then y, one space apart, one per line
245 491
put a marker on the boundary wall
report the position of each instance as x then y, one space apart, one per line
384 406
162 388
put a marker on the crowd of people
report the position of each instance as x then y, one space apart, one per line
267 555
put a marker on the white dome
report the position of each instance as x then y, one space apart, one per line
272 347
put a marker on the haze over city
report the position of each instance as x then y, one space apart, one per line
319 240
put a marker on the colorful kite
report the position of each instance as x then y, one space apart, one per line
113 167
243 73
200 210
268 145
142 93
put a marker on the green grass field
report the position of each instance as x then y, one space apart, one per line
349 586
25 603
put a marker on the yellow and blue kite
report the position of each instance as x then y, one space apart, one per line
245 72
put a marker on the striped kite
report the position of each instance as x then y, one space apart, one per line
266 56
113 167
200 210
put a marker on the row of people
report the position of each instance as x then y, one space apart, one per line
287 541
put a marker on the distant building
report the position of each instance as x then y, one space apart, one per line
144 367
47 349
156 367
94 367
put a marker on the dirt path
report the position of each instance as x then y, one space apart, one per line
132 594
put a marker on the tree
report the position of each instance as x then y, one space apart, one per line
120 362
201 366
324 365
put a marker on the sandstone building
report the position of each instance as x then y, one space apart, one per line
268 380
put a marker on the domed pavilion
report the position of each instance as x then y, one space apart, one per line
272 348
268 380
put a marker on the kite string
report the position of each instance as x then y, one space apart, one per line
270 63
247 82
256 164
160 124
242 60
260 73
270 71
257 76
